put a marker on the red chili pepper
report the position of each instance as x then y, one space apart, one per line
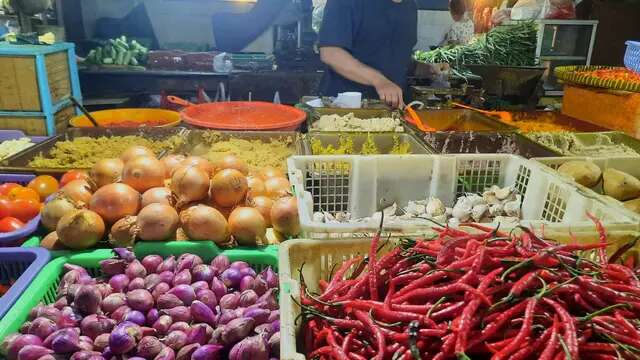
524 283
374 330
580 301
438 292
602 254
552 345
523 334
422 282
633 332
373 275
449 312
598 347
493 327
569 334
526 352
446 350
338 278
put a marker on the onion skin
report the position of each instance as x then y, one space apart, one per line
112 302
157 222
190 183
167 353
171 162
78 190
52 242
157 195
284 216
175 339
122 233
207 352
151 263
115 201
270 172
54 210
143 173
229 188
264 205
81 229
204 223
87 299
135 151
106 171
33 352
140 300
248 227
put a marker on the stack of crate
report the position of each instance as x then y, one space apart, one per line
36 82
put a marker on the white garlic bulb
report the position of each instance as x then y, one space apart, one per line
512 208
434 207
478 212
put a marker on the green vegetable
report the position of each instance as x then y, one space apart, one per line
107 61
119 51
99 55
127 58
120 58
512 45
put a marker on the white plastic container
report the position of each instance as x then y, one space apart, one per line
362 185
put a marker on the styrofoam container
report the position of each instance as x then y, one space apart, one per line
363 185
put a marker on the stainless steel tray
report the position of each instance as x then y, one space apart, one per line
314 115
384 141
460 120
20 162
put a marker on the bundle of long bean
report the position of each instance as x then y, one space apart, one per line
512 45
482 295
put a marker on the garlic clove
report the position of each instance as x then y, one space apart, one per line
512 208
503 193
479 211
496 209
434 207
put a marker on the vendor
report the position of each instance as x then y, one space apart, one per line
367 45
461 31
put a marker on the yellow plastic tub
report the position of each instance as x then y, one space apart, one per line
130 118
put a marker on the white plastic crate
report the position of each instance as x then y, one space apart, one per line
321 258
362 185
630 165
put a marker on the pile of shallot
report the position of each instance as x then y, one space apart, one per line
161 309
138 197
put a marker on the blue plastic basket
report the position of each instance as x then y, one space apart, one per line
632 56
21 265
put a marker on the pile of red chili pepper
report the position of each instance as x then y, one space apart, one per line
483 294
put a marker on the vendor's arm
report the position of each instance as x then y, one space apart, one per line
336 41
346 65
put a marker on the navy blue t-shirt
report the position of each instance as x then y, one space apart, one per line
379 33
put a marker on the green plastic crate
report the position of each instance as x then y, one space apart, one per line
45 285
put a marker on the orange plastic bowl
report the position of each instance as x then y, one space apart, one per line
244 115
130 118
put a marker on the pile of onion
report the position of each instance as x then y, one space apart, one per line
284 216
276 187
171 162
232 162
78 190
157 222
200 162
54 209
157 195
155 308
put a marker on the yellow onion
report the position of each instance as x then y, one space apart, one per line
171 162
247 226
232 162
228 188
276 187
115 201
270 172
203 222
263 204
256 186
81 229
78 190
157 195
134 151
106 171
284 216
200 162
143 173
157 222
189 183
55 209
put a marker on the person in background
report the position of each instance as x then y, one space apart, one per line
367 47
461 32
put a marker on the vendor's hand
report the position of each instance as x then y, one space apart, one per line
390 93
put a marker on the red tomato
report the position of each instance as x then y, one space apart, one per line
9 224
44 185
6 206
73 175
25 210
6 187
23 193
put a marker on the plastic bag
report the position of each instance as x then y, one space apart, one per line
527 9
558 9
316 18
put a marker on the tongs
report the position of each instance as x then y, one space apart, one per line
502 115
408 109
